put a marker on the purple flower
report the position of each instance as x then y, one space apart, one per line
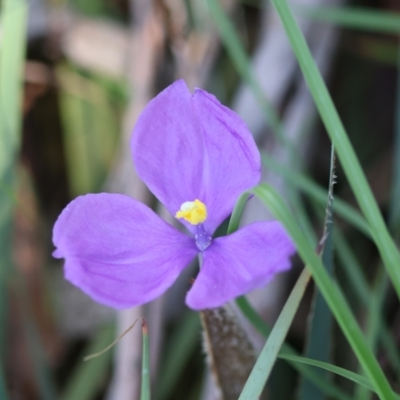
197 157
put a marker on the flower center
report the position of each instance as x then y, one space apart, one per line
194 212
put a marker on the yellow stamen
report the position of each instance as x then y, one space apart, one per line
194 212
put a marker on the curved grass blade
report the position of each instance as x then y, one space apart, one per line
239 58
266 360
318 193
330 291
359 379
351 166
237 213
319 342
145 386
360 18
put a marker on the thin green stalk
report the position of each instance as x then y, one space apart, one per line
352 168
330 291
145 386
267 358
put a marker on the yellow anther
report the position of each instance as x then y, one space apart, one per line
194 212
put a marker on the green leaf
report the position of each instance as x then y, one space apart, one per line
318 193
237 213
266 360
13 20
236 51
145 386
330 291
360 18
360 380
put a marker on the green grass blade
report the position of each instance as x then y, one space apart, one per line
179 349
88 377
353 17
318 345
330 291
237 213
241 62
145 386
349 161
318 193
359 379
13 20
266 360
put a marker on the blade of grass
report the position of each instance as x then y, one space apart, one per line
179 349
359 379
308 186
351 166
360 18
318 344
240 59
266 360
89 377
330 291
237 213
13 20
145 386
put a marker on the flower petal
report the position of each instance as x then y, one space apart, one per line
188 147
118 251
236 264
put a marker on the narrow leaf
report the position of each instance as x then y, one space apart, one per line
266 360
145 386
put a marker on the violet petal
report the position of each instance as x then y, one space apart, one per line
236 264
118 251
188 147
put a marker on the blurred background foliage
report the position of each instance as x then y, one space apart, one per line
88 67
